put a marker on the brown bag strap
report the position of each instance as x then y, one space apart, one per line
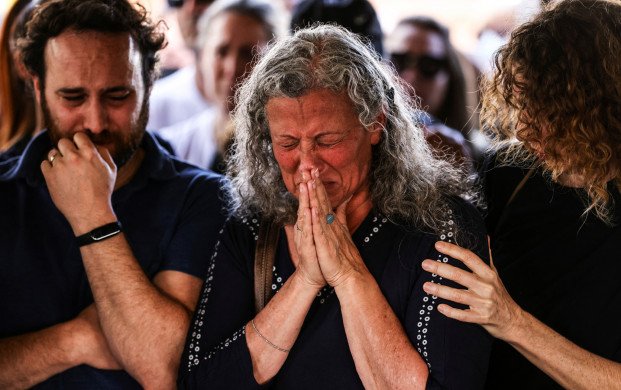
521 184
264 262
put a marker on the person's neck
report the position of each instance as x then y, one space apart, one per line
357 210
127 172
577 180
573 180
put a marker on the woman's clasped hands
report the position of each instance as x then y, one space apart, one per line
325 250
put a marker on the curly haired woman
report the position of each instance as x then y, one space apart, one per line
553 198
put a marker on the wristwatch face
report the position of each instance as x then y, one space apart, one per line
105 231
100 233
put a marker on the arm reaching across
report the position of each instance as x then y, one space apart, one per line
491 306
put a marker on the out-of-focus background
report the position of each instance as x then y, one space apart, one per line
202 64
477 27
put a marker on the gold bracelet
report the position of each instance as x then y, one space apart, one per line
267 341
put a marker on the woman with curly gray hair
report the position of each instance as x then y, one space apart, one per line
326 150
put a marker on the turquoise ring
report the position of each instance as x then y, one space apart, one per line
330 218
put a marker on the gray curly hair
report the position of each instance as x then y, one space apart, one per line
407 183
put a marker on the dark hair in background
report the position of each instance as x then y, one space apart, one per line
561 72
454 112
17 107
358 16
107 16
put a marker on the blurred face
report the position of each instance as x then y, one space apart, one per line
321 130
228 54
420 58
94 84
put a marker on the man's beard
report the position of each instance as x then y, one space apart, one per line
125 144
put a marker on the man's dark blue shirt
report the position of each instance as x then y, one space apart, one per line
171 213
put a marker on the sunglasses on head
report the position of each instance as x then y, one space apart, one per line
428 66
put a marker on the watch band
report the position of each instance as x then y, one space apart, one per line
99 234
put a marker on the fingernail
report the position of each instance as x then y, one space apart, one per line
440 245
304 175
427 286
316 172
426 265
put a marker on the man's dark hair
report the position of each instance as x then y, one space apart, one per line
107 16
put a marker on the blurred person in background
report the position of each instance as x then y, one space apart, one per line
188 14
421 51
20 116
358 16
179 94
181 17
230 33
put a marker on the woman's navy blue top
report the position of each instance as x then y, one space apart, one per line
216 355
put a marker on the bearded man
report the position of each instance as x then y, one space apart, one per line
104 237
